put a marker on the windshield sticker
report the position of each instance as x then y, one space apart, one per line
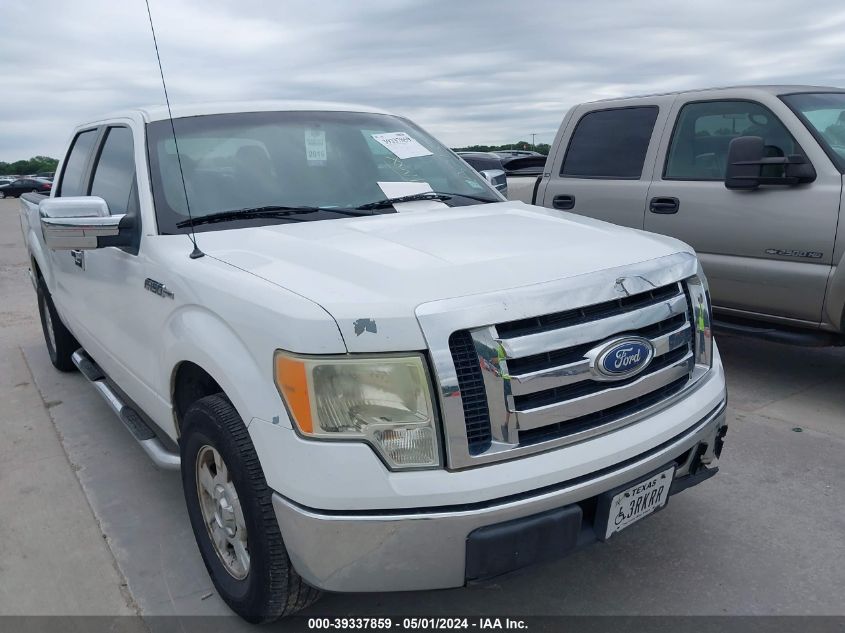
315 146
401 145
401 189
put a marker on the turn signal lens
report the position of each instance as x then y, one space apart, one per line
291 381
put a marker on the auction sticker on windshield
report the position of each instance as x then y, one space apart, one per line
401 144
619 508
315 145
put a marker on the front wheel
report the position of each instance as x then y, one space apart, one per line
2 195
232 516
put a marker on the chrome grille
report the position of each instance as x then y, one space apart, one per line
538 382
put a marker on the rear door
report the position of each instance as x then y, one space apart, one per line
604 160
768 251
66 264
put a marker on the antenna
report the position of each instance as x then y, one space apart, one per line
196 253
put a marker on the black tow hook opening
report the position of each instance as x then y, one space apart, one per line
720 441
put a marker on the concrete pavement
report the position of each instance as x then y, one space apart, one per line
54 558
763 537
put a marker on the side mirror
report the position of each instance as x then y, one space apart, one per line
497 178
79 222
749 167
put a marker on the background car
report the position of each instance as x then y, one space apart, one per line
25 185
488 165
515 153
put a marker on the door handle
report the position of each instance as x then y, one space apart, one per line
563 202
664 206
78 258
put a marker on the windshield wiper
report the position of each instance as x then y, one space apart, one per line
469 196
426 195
272 211
389 202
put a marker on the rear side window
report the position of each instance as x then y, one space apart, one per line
77 160
610 143
114 174
699 147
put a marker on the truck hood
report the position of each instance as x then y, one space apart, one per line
375 271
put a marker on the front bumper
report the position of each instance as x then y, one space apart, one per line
435 548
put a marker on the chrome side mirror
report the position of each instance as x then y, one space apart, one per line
77 222
497 178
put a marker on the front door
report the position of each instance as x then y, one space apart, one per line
108 289
765 252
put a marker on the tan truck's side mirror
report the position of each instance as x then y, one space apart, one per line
748 163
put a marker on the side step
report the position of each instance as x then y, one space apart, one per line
139 429
775 334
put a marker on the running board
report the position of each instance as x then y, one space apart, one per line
139 429
776 334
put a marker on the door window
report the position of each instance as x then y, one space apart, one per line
610 144
74 170
699 147
114 175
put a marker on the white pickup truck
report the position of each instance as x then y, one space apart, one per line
374 373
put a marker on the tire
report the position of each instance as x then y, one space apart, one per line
60 342
270 588
2 195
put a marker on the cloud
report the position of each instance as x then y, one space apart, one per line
470 72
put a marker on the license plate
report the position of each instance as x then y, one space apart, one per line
629 505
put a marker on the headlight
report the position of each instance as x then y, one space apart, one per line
384 400
702 315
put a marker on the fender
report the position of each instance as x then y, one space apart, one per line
833 314
196 334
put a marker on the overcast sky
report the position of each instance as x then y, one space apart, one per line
469 71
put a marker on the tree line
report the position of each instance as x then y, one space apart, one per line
34 165
542 148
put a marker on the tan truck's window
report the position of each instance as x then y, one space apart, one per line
610 143
699 148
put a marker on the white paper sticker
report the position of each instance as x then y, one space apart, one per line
402 145
315 145
399 189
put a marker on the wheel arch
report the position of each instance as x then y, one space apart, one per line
204 355
188 383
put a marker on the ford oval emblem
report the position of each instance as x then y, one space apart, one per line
622 358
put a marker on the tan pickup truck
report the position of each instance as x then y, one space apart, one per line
751 177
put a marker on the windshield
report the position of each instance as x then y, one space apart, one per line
824 115
327 160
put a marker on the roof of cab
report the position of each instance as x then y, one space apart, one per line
160 112
768 89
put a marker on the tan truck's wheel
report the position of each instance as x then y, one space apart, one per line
232 516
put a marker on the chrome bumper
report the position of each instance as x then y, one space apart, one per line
426 548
